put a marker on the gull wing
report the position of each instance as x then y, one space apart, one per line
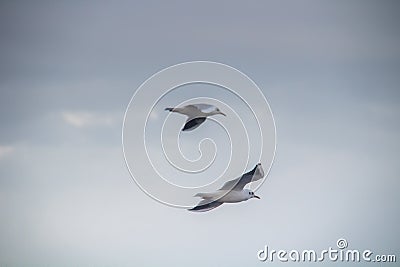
206 205
204 107
239 183
193 123
195 116
192 111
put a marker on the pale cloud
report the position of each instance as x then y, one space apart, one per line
87 119
5 151
154 115
329 71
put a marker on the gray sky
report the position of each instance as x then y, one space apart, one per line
329 69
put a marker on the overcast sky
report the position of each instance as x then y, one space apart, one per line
329 69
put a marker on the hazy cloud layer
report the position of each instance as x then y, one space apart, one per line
329 69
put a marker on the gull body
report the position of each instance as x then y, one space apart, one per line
231 192
196 113
228 196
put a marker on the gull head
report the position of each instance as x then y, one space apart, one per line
220 112
250 194
217 111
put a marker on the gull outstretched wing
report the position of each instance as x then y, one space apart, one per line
204 107
191 111
206 205
239 183
193 123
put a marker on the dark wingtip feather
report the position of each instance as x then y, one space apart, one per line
206 207
193 123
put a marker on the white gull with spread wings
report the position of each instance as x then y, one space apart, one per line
231 192
197 114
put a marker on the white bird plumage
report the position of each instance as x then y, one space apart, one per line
196 113
231 192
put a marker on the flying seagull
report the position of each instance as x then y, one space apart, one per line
197 114
231 192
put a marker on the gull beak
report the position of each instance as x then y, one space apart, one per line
257 197
222 113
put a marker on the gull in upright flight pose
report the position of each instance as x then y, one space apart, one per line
231 192
197 114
